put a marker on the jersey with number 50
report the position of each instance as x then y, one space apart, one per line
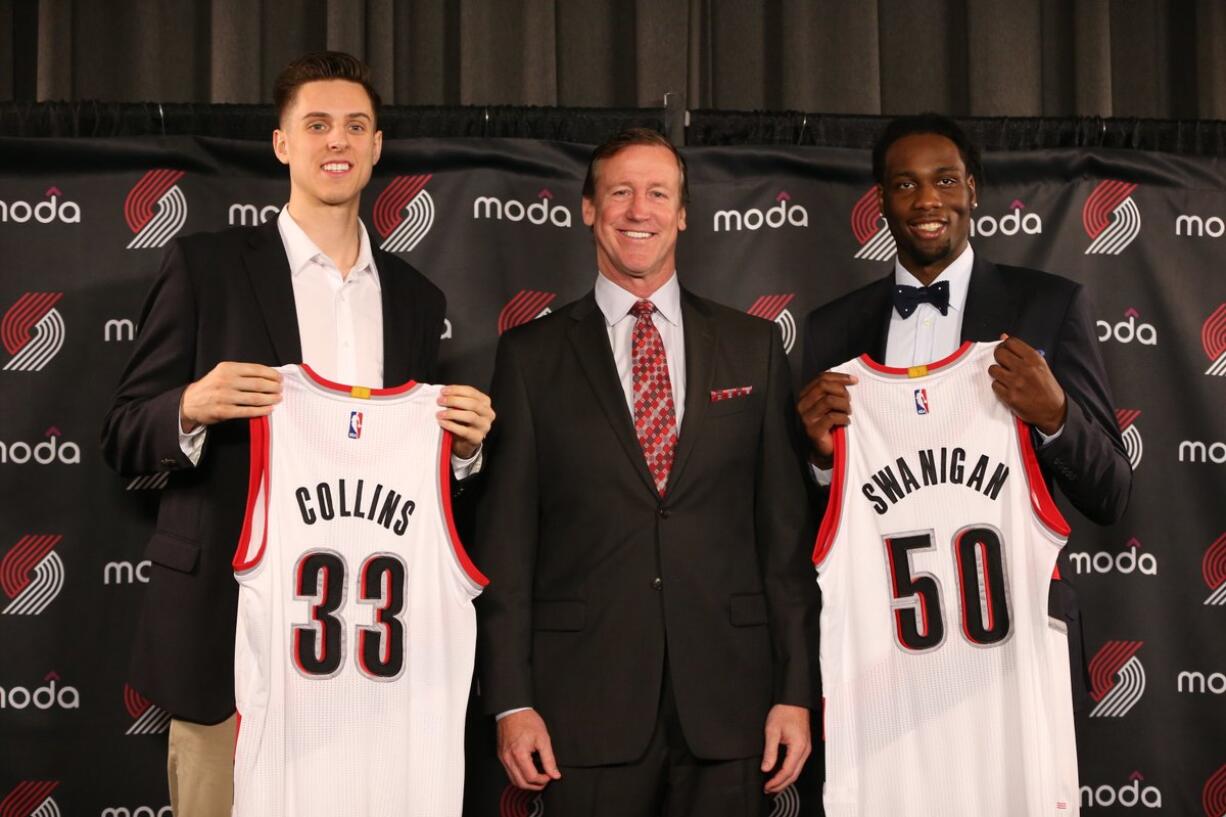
354 651
946 683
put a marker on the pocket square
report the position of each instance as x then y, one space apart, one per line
728 394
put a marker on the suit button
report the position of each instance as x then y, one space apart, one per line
662 511
657 583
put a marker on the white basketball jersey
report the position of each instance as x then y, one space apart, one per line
354 652
946 683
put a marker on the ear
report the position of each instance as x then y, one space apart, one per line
681 218
589 211
279 147
378 146
970 182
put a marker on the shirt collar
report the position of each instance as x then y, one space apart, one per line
615 302
302 251
958 274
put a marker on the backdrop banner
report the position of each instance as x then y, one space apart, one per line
496 223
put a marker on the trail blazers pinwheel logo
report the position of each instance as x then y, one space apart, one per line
526 305
32 331
1213 568
1213 338
147 719
1127 418
774 308
870 229
155 209
1213 798
786 803
1118 679
404 213
1111 217
31 575
31 798
519 803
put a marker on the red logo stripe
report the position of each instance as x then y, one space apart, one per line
1107 662
134 702
17 563
525 306
26 796
30 308
389 207
1214 796
769 306
515 802
1213 333
864 216
1096 214
1126 417
1214 564
138 206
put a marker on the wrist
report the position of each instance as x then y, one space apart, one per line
186 424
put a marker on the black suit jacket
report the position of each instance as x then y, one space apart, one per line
1087 460
596 580
223 296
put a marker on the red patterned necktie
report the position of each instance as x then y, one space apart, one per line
655 419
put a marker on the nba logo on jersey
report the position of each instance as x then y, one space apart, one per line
921 401
355 425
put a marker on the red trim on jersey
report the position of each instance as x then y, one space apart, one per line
444 484
834 504
1040 498
258 481
332 385
1055 573
931 367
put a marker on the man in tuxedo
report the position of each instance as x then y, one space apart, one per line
226 308
646 636
1048 370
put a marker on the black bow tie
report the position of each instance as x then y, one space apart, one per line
907 299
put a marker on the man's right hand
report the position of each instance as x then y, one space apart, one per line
230 391
823 405
520 734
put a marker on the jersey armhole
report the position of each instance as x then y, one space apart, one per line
254 535
475 576
834 504
1041 503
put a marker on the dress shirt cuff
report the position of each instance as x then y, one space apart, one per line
191 443
1044 439
465 468
822 476
502 715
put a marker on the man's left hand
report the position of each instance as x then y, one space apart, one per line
786 726
468 415
1023 381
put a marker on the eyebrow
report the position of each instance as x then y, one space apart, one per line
326 115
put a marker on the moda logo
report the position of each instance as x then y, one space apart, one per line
1197 451
782 214
1213 569
1010 224
1213 797
249 215
1111 218
155 209
119 330
50 450
31 798
538 213
51 695
774 308
1129 560
139 811
516 802
32 331
1132 794
1213 339
1193 682
525 306
126 572
147 719
1128 330
870 229
1127 418
31 575
404 213
1199 227
1118 679
44 212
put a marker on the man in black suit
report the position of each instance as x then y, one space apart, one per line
226 307
940 293
646 531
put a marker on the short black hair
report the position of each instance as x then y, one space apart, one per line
322 65
628 138
927 123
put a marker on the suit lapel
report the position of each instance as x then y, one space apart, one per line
699 371
590 337
989 310
877 318
268 269
397 309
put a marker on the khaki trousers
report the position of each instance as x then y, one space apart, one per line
200 768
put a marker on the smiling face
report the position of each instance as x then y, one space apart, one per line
635 213
328 139
926 199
